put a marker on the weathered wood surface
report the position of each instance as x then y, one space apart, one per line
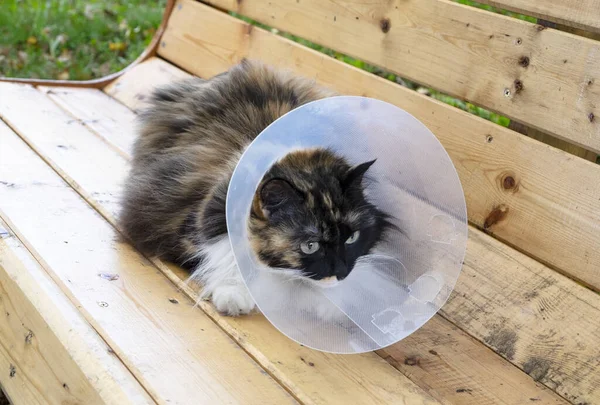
541 77
133 93
172 348
253 331
439 384
458 369
48 352
584 14
504 300
86 105
330 379
552 201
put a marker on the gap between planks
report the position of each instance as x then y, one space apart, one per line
576 13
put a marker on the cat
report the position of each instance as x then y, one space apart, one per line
309 213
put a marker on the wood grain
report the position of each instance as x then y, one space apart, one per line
134 93
546 324
338 379
454 367
176 352
48 353
576 13
85 104
553 198
444 379
544 78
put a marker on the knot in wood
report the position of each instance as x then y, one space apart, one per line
524 61
509 183
518 86
385 25
495 216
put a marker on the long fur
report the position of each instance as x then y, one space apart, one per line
190 139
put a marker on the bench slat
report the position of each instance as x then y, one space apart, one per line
466 52
553 198
334 379
445 374
114 132
575 13
132 93
548 325
462 370
174 350
48 344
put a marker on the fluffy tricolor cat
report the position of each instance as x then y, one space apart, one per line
309 214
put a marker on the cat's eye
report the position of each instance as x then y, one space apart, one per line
309 247
353 238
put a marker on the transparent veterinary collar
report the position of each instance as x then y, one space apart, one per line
398 287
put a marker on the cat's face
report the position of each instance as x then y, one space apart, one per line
310 214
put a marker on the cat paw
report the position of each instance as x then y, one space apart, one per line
232 300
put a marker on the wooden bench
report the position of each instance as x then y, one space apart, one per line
85 319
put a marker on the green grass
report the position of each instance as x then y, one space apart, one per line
71 39
497 10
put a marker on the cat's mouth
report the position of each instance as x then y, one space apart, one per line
326 282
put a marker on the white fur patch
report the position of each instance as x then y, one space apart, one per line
221 280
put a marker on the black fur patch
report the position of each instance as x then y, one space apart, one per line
181 124
254 94
166 94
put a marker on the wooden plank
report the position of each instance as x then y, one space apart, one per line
544 78
443 379
452 365
176 352
133 92
544 323
48 352
552 200
583 14
338 379
111 127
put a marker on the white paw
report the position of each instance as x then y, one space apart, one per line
232 300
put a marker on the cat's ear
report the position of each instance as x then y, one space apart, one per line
355 175
277 195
